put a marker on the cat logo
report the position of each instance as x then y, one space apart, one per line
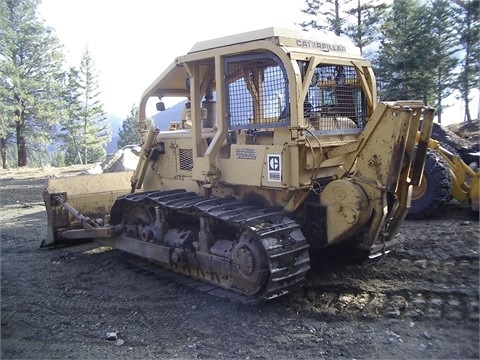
274 168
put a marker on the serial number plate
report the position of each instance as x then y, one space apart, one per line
250 154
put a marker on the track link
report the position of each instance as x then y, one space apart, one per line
261 236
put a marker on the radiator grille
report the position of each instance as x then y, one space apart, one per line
186 159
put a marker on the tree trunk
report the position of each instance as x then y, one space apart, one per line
21 144
468 116
439 96
338 29
359 27
3 151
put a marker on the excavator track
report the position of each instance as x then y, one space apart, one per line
252 250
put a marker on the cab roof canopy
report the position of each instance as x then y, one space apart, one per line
172 81
314 40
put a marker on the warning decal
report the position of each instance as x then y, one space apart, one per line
274 168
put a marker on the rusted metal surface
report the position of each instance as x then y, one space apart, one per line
253 251
422 146
92 196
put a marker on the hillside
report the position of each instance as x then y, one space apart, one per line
161 120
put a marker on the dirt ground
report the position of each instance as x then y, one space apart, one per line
421 302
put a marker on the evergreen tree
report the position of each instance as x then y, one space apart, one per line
368 15
359 22
58 158
406 63
329 11
469 33
30 72
72 126
444 51
129 133
86 128
6 123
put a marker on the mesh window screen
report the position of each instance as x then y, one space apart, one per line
186 159
257 92
335 99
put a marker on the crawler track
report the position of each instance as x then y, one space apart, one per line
255 251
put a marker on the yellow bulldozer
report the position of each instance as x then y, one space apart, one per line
283 150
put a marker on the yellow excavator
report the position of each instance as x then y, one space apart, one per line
284 149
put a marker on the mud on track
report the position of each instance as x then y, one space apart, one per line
421 302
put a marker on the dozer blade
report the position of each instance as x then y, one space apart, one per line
91 195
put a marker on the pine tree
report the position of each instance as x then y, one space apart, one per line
469 32
444 51
360 22
329 11
129 133
71 124
31 73
369 16
405 63
6 123
86 127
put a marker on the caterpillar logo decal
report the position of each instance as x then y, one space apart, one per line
274 168
321 46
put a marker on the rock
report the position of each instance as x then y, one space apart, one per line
122 160
111 336
95 170
420 263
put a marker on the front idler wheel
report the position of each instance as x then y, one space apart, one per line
249 264
139 223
